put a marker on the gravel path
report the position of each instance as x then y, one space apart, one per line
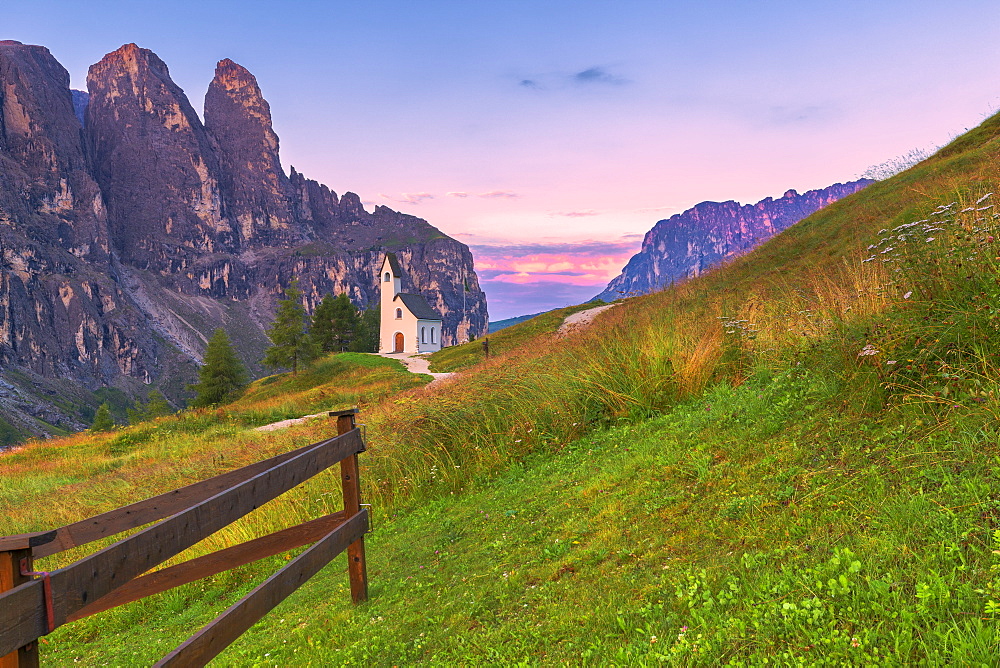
412 363
274 426
415 364
581 319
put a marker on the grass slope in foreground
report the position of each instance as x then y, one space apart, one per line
789 460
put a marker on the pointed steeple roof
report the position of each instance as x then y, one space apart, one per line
397 271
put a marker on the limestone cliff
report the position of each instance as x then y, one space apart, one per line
63 317
688 244
155 164
257 192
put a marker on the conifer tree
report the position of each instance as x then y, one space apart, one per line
345 322
335 324
156 406
369 322
221 376
322 325
290 333
102 419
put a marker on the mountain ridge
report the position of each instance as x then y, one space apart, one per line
689 243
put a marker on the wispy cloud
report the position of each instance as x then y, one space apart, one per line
591 77
808 114
498 194
461 195
656 209
598 75
618 246
408 198
522 278
511 299
576 214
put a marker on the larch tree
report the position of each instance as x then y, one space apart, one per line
322 325
289 334
335 324
222 376
369 322
102 419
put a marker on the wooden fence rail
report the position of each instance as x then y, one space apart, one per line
33 604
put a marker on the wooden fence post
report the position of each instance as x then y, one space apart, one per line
356 567
10 577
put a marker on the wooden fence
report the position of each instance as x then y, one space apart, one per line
33 604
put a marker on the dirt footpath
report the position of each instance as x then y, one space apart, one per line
581 319
415 364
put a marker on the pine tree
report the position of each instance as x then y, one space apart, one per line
290 333
156 406
369 323
102 419
335 324
345 322
221 376
322 325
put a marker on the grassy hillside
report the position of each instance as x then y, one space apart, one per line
506 340
789 460
496 326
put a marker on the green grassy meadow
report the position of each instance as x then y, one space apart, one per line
791 460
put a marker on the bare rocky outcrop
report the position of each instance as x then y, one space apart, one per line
155 164
63 316
257 192
690 243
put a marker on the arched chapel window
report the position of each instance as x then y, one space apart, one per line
432 335
399 314
388 277
423 335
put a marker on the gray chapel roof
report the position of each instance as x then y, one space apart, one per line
418 306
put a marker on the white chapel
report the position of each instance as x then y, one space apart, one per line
409 324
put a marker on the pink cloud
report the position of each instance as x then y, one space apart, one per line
458 194
537 279
408 198
576 214
589 263
499 194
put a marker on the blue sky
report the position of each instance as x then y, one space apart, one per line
523 128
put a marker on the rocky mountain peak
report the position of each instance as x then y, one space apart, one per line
230 75
154 162
257 192
43 156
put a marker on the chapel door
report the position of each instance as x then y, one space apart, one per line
399 343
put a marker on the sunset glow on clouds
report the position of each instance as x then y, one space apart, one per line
524 278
